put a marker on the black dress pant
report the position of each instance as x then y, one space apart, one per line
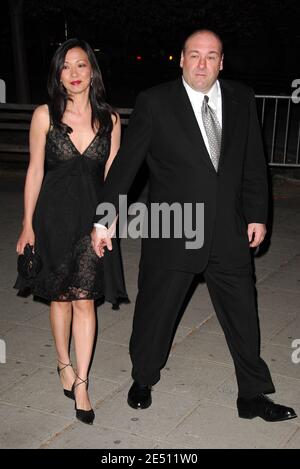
232 291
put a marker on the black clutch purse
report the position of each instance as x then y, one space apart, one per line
29 263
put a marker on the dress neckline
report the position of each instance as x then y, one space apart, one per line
89 145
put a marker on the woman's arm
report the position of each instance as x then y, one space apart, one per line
35 173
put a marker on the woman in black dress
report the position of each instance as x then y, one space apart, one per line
73 142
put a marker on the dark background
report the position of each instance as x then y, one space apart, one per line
261 41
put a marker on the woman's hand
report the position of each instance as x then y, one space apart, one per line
26 236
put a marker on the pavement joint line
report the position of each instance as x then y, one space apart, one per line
197 361
220 333
271 310
105 427
270 289
32 326
277 344
278 269
184 417
54 436
280 345
110 381
233 407
167 442
34 409
110 342
225 406
14 357
192 331
226 365
109 397
286 440
280 330
53 367
289 290
264 277
122 344
196 400
18 381
123 430
285 377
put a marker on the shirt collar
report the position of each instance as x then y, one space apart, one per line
197 96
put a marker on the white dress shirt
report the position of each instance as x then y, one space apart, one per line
215 102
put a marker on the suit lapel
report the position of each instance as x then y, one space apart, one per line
229 116
185 114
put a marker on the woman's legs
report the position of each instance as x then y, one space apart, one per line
84 326
60 319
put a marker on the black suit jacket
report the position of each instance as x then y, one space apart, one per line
164 130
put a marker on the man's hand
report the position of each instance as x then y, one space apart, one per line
256 234
101 238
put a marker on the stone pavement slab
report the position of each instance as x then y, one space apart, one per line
27 428
287 393
293 442
81 436
42 391
216 426
192 379
115 413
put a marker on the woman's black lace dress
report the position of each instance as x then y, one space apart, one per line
63 221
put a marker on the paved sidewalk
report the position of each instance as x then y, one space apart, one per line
194 403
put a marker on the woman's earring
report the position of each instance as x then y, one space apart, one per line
91 81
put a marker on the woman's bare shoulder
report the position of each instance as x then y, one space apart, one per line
41 116
115 117
42 111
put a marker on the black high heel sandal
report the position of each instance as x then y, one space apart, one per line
68 393
85 416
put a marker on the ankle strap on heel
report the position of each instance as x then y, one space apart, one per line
82 381
64 366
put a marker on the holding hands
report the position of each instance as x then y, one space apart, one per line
101 238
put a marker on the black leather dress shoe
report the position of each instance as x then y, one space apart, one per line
262 406
139 396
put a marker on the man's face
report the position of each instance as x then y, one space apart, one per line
201 61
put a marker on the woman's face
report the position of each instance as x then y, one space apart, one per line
77 71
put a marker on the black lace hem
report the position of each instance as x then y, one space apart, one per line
98 297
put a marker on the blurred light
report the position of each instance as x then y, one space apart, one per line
96 50
170 57
138 57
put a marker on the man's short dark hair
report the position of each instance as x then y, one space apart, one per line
204 30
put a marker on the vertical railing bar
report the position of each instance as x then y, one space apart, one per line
298 145
274 130
263 112
286 130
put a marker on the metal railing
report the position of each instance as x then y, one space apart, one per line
280 122
15 123
279 118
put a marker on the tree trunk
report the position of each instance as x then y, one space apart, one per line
17 30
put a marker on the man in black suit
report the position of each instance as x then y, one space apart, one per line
201 139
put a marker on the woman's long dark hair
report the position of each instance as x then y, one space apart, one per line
101 111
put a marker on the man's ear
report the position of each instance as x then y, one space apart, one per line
221 64
181 59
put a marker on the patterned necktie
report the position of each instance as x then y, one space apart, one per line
213 131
